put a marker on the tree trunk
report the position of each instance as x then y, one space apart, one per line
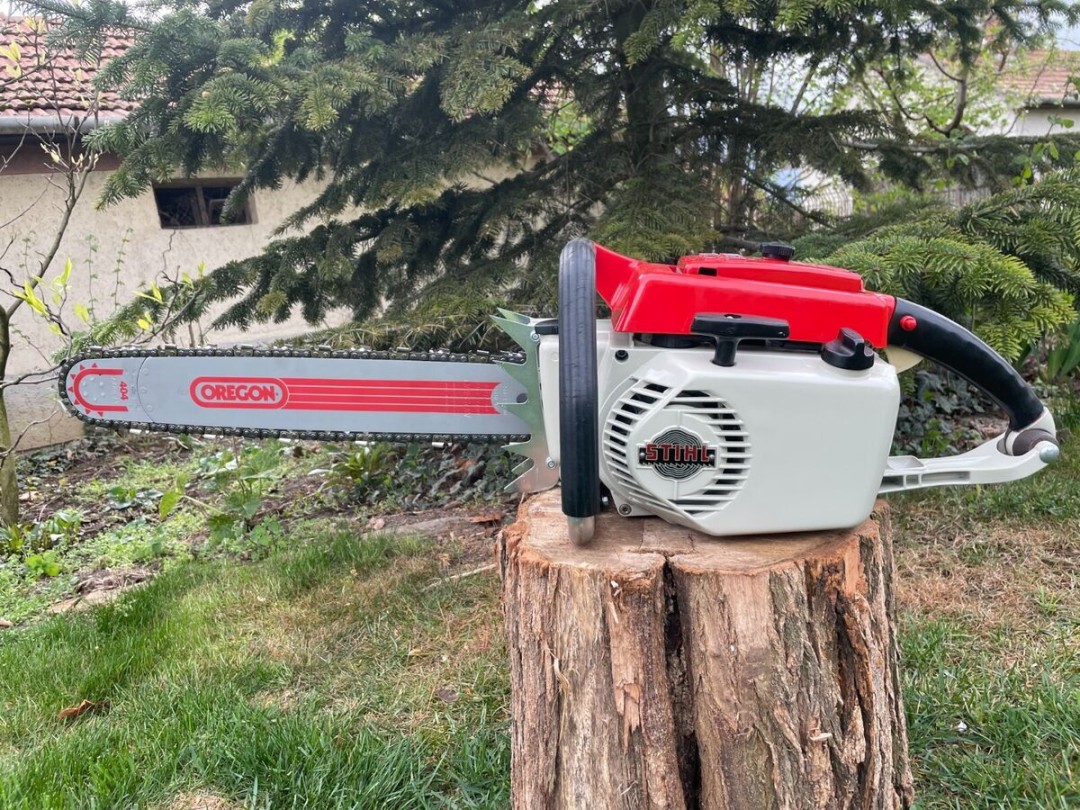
661 668
9 480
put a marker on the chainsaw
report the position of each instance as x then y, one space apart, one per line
728 394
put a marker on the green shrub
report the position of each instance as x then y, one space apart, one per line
1006 266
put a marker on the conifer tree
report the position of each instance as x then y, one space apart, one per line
462 142
1007 266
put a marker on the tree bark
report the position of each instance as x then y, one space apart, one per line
9 479
662 668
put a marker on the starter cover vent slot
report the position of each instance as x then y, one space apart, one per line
647 402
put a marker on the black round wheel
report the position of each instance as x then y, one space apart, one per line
579 443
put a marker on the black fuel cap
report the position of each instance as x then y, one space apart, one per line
848 350
777 250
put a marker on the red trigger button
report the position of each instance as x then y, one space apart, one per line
908 323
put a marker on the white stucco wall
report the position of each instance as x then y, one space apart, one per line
1036 122
128 233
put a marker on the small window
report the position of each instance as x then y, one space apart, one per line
197 204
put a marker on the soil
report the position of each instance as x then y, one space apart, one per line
49 477
201 800
98 587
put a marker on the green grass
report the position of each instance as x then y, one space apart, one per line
310 679
122 507
994 722
1051 495
141 540
23 597
141 475
990 634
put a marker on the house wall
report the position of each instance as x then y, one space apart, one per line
115 253
1036 122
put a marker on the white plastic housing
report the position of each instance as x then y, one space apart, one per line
795 443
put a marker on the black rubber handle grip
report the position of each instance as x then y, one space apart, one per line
947 343
579 440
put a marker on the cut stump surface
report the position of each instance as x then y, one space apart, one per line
662 668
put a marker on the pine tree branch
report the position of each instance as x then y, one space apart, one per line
805 84
783 198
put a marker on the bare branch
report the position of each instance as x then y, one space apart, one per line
872 96
895 96
24 212
943 71
46 377
781 197
76 174
811 70
743 244
76 185
961 106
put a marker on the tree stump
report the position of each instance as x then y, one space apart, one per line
662 668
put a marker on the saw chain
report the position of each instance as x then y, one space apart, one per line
325 352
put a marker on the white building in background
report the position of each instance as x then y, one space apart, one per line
45 99
1037 91
1047 84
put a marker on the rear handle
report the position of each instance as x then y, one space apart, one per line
935 337
1029 443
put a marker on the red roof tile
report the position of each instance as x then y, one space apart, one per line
37 81
1044 78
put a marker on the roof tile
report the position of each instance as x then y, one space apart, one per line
35 82
1044 77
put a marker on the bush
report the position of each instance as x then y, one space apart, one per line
1005 266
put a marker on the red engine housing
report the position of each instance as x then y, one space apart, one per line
815 300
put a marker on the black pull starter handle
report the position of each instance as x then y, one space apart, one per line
728 329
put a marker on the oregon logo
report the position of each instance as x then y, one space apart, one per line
238 392
677 454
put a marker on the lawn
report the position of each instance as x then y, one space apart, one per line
324 663
989 588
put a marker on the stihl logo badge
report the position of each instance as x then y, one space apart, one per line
238 392
677 454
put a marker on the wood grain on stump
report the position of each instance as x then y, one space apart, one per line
662 668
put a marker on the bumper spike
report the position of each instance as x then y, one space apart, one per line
534 473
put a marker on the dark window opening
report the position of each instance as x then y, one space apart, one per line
197 204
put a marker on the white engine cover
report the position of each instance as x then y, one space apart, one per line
779 442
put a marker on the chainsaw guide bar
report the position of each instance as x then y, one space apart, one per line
358 395
325 394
